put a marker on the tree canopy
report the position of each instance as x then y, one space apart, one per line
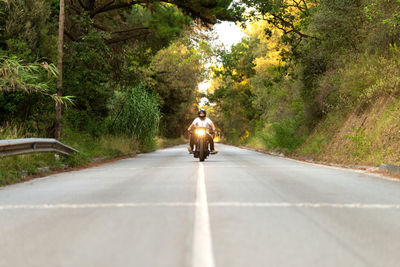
114 50
304 62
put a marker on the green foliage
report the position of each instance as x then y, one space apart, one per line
338 57
238 63
101 147
166 142
286 15
360 82
339 24
177 70
234 101
167 22
34 77
320 138
19 80
383 23
104 49
29 26
111 49
91 150
285 135
17 168
3 21
86 77
11 131
361 144
28 49
134 112
232 92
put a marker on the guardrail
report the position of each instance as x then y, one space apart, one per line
14 147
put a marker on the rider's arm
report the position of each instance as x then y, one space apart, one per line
212 126
192 125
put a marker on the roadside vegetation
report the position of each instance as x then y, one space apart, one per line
317 79
92 150
129 79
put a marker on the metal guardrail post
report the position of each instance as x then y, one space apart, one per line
14 147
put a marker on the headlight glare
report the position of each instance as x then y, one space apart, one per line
201 132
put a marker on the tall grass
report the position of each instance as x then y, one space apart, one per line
135 112
164 142
16 168
133 125
11 131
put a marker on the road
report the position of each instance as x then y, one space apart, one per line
238 209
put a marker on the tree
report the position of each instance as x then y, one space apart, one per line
100 12
231 90
106 47
108 44
60 69
287 15
27 29
177 72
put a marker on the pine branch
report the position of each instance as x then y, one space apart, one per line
110 6
125 38
289 25
82 5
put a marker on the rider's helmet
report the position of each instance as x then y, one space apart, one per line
202 114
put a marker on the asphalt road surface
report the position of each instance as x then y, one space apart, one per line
238 209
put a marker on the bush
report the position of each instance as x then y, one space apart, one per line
369 78
285 135
134 112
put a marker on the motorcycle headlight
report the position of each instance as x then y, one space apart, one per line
201 132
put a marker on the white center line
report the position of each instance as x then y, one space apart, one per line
202 254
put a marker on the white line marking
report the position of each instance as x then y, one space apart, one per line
98 205
227 166
143 168
305 205
200 206
202 254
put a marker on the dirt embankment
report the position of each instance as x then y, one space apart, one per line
369 136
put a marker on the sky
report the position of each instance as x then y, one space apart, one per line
228 34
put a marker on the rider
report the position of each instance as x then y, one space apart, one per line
202 120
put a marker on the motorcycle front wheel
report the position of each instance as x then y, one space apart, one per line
202 150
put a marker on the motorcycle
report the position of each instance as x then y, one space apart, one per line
201 150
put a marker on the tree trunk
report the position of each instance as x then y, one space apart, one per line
60 69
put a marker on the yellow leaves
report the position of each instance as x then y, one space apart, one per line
270 47
217 68
256 29
245 136
215 83
262 64
178 49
